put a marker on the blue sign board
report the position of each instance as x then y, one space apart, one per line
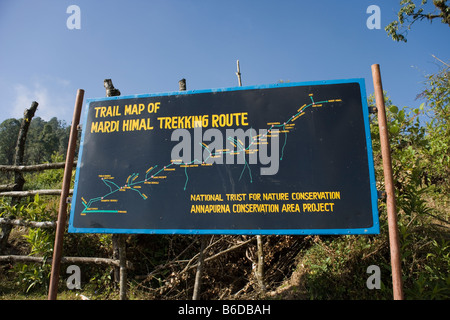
290 158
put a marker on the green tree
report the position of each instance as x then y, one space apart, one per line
437 95
33 150
44 139
9 129
48 142
409 13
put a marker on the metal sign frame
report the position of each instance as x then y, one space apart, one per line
367 178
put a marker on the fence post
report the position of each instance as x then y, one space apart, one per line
238 73
203 239
118 240
123 267
201 261
260 244
19 181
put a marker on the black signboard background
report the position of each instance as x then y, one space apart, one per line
328 150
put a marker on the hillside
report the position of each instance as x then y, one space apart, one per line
295 267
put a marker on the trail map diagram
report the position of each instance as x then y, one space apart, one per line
316 135
133 183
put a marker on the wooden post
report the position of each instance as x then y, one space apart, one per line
62 214
123 267
203 239
260 266
259 242
238 73
198 275
115 239
111 91
20 146
118 240
394 242
182 84
19 181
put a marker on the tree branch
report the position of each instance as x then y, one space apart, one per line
35 167
30 193
74 260
33 224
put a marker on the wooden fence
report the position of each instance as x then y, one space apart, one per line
7 191
118 261
15 192
114 262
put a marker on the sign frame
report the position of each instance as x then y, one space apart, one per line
374 229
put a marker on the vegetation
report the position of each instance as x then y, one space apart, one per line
45 138
296 267
410 13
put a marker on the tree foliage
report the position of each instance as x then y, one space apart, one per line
437 95
410 13
9 130
44 139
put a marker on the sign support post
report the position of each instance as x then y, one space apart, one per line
389 185
62 214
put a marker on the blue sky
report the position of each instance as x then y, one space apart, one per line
148 46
